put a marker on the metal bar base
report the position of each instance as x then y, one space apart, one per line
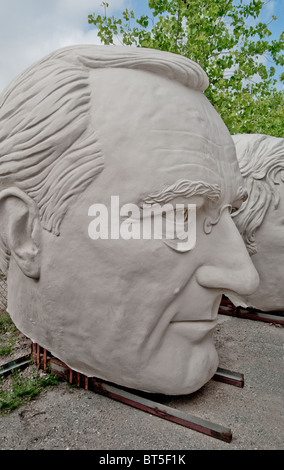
16 364
44 360
135 400
229 377
227 308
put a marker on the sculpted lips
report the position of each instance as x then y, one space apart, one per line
194 331
201 315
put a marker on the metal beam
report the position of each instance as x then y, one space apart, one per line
19 363
43 359
140 402
135 398
229 377
227 308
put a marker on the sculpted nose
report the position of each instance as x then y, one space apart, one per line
241 281
229 267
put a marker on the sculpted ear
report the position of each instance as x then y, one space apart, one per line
20 230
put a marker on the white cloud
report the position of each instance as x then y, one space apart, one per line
30 29
77 6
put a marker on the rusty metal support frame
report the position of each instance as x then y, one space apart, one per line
227 308
229 377
136 399
139 401
17 364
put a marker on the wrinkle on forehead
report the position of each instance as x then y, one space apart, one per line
187 134
158 131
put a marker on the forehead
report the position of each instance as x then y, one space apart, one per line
163 129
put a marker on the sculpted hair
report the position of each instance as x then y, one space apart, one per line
184 188
48 147
261 161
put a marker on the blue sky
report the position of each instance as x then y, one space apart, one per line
30 29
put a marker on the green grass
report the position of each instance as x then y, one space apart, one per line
23 389
7 349
8 333
18 388
6 324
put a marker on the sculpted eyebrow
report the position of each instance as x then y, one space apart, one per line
184 188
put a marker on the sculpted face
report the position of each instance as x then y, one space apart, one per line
269 259
139 312
261 218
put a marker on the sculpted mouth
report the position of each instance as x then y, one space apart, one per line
195 331
212 320
206 315
196 324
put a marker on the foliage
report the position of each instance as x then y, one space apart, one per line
6 323
23 389
230 43
7 334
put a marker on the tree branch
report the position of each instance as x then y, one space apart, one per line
218 24
178 21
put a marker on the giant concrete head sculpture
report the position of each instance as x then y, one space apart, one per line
82 127
261 217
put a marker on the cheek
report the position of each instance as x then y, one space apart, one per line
150 263
148 275
270 239
269 259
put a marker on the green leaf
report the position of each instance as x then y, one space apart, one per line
227 40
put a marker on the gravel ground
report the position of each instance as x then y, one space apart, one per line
68 418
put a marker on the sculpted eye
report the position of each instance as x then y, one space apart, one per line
209 223
237 207
241 198
181 234
173 220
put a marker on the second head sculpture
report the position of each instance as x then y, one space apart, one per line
260 219
81 126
